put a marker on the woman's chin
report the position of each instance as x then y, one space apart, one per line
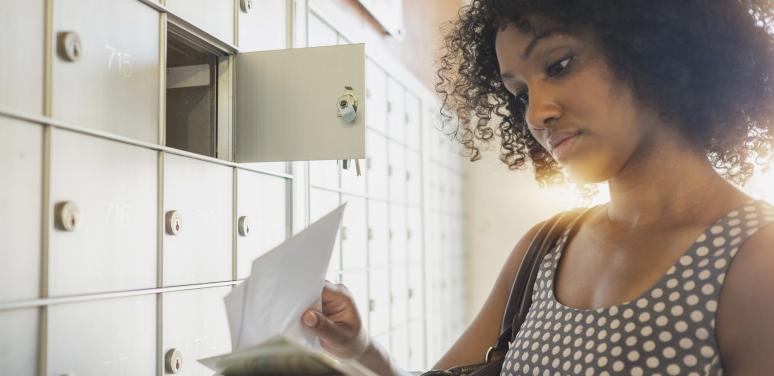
586 172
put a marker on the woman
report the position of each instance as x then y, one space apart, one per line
668 102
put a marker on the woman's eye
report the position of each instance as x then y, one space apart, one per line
559 67
523 97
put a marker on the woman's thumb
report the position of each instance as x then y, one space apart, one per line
320 325
310 319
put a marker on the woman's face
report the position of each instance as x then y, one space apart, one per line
576 109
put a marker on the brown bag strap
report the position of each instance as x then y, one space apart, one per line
521 293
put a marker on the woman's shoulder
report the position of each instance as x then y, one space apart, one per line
746 303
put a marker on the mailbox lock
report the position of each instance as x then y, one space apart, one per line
347 105
67 216
69 46
174 223
173 360
244 226
246 5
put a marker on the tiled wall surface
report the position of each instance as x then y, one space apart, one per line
115 294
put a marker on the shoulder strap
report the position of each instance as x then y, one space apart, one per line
521 293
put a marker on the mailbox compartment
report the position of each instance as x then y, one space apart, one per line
195 324
413 178
116 73
378 233
21 68
19 342
21 162
376 165
261 201
262 26
215 17
413 121
416 346
376 96
398 234
399 294
288 102
320 33
112 188
396 114
199 195
357 284
379 303
397 172
105 337
415 291
321 202
399 348
354 234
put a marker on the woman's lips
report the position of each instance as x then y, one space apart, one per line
564 146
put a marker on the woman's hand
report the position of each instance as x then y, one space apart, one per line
338 326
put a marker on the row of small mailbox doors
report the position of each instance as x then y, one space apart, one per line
117 336
106 239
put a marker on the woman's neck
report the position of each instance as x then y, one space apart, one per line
666 184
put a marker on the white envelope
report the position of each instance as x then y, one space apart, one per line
283 283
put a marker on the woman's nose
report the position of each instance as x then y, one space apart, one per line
542 110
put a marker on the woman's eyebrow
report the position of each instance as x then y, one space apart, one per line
538 37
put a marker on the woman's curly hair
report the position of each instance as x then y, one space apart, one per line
705 65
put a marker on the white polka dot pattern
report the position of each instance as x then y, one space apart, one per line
668 330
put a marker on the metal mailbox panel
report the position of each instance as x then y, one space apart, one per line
287 104
263 27
379 287
216 17
262 199
19 342
376 95
354 237
21 68
114 186
320 203
117 76
376 165
396 171
396 113
357 284
378 233
399 294
21 163
201 193
195 323
105 337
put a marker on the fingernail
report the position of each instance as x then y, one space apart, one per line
310 319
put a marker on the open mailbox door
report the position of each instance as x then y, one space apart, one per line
300 104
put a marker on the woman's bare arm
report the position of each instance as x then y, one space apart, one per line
483 332
745 329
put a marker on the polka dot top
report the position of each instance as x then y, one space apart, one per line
668 330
